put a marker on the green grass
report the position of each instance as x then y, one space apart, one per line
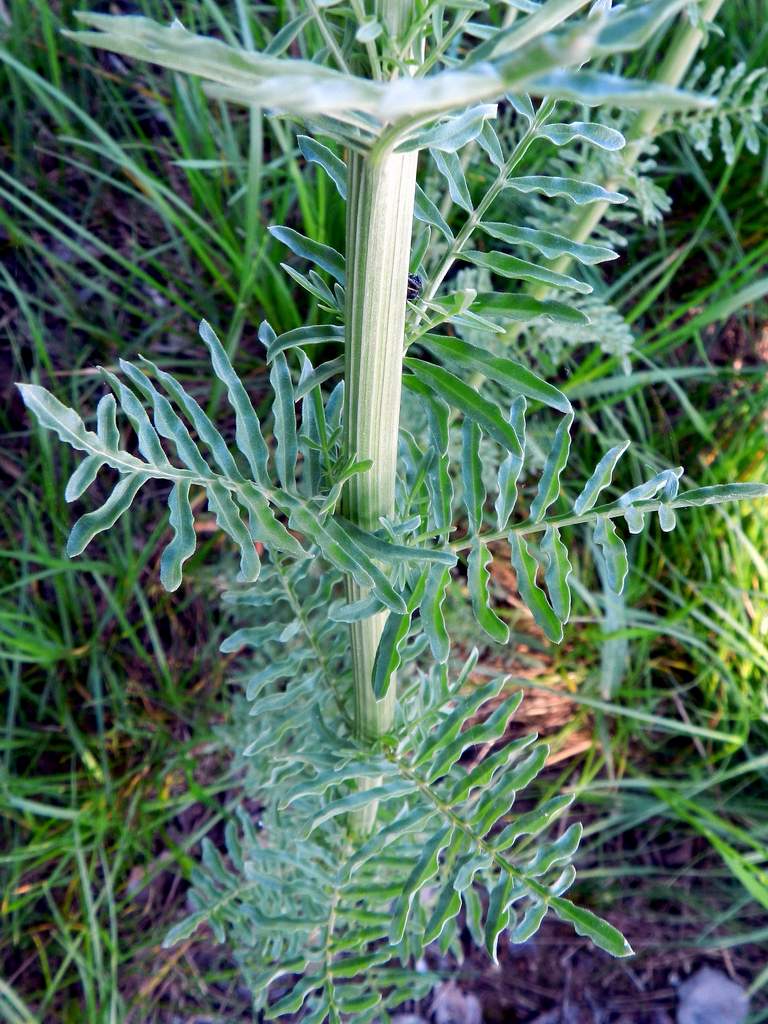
130 206
124 217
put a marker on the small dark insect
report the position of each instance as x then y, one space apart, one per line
414 286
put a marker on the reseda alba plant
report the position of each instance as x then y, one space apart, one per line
374 834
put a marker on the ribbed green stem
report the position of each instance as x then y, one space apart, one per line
379 219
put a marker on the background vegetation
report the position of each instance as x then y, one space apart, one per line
131 206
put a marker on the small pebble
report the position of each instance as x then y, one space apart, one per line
452 1006
710 997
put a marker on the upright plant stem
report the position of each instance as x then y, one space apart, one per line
379 219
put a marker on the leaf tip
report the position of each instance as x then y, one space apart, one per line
27 392
206 332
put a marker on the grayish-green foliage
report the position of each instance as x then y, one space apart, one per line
741 106
320 919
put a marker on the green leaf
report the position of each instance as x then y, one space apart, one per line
717 494
425 211
315 152
184 541
600 479
343 551
323 256
281 40
321 334
489 141
525 308
421 246
625 30
451 725
541 18
509 470
449 165
481 775
431 612
205 430
465 398
228 519
388 552
597 88
614 553
449 136
295 999
497 917
579 192
557 457
119 501
395 633
533 596
558 569
247 76
438 415
592 927
561 850
440 488
184 929
106 420
147 437
522 106
667 518
425 868
533 822
332 779
495 803
285 422
510 266
83 476
368 31
438 478
314 284
472 474
596 134
316 376
355 611
548 244
266 528
469 867
394 790
247 427
667 482
518 378
529 924
167 423
473 909
312 432
357 1002
447 907
478 579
